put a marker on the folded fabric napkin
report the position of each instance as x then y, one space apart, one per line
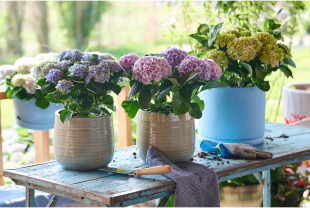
196 185
245 151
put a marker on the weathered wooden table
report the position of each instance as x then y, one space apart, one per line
100 188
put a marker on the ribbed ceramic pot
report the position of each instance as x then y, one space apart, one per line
84 143
173 136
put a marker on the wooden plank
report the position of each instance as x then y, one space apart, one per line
30 197
41 145
3 96
1 153
266 189
124 122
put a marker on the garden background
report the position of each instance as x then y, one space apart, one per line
29 28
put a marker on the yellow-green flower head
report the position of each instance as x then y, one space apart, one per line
271 55
238 32
198 47
204 30
264 38
219 57
244 49
286 50
224 39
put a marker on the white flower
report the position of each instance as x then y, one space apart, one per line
30 84
45 57
7 71
24 64
18 80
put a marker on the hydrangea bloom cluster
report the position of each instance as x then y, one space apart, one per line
238 32
64 86
105 56
264 38
18 80
224 39
64 64
216 71
53 75
42 69
24 64
73 55
26 81
7 71
45 57
78 70
128 61
99 73
112 65
219 57
150 68
195 64
174 56
286 50
271 55
244 49
198 47
87 57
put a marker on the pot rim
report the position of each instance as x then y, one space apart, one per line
296 90
58 114
170 114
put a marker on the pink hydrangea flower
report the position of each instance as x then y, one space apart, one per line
150 68
128 61
174 56
192 63
216 71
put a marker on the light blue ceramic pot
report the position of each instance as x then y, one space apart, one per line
29 116
233 115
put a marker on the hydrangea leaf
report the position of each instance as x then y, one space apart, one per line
201 103
83 114
289 61
135 89
42 82
131 107
263 85
42 103
66 115
105 111
214 33
52 99
287 72
211 85
180 104
146 95
187 77
174 82
48 88
195 111
248 67
38 93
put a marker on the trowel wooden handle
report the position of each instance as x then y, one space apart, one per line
154 170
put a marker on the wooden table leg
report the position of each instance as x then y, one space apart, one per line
41 145
30 197
163 202
124 122
1 154
266 189
53 201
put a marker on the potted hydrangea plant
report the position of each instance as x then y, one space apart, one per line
31 111
82 82
164 89
246 58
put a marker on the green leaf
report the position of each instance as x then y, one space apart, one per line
131 107
287 72
42 82
52 99
201 103
80 82
135 89
289 61
174 82
91 115
66 115
187 77
180 104
108 100
195 111
263 85
214 33
117 89
107 86
105 111
77 101
247 66
38 93
268 24
60 96
145 98
259 71
200 39
202 26
83 114
42 103
48 88
86 105
16 90
83 96
211 85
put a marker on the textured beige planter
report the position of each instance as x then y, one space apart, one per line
242 196
84 143
173 136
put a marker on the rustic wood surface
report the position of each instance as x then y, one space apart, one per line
2 97
41 141
99 187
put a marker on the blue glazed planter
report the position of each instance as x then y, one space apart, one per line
233 115
29 116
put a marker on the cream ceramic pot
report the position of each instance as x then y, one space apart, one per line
173 136
84 143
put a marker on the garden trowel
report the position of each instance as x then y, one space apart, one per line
138 172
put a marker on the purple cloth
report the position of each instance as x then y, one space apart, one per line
196 185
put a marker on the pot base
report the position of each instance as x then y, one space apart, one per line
251 141
34 126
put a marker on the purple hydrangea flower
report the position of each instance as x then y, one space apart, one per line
128 61
60 56
112 65
216 71
192 63
87 63
87 57
150 68
64 85
53 75
105 56
73 55
78 70
64 64
99 73
174 56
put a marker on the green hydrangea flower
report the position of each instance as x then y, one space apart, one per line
271 55
286 50
238 32
244 49
219 57
264 38
224 39
198 47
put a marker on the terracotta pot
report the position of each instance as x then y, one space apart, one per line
84 143
242 196
173 136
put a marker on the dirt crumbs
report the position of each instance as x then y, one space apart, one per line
283 136
270 138
202 154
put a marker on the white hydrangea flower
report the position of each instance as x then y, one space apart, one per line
18 80
24 64
30 84
45 57
7 71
